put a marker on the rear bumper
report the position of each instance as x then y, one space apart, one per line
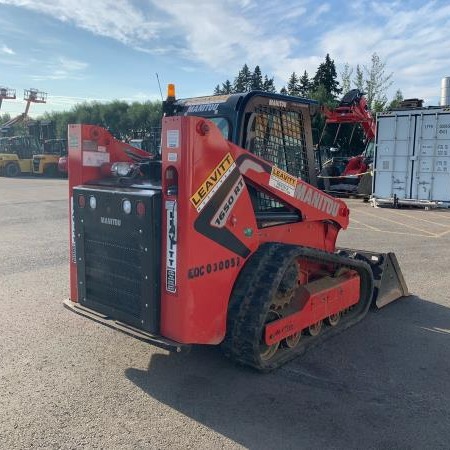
141 335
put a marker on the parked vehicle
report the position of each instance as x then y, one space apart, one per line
17 155
221 240
47 162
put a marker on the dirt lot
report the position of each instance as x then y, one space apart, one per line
66 382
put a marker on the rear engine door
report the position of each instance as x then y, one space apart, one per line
117 253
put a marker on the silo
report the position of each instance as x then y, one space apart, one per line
445 91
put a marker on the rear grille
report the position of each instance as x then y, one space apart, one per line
118 255
113 273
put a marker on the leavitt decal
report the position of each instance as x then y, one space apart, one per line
215 179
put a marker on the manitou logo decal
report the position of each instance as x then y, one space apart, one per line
171 247
111 221
213 182
316 199
278 103
202 108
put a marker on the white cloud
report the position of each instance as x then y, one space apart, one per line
117 19
61 68
8 51
281 36
405 37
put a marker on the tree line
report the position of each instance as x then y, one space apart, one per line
325 85
124 120
135 120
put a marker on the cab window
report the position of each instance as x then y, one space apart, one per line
223 125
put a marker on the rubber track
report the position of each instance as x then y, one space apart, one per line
252 296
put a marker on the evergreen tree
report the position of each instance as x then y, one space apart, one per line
256 80
227 87
293 86
305 85
247 81
268 85
283 91
326 76
322 95
243 82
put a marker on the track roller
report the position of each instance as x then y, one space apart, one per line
333 320
315 329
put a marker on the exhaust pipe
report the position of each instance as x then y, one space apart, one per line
389 283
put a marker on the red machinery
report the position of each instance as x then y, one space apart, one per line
343 173
352 109
212 243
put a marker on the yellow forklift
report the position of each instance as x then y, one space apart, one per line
16 155
16 152
46 163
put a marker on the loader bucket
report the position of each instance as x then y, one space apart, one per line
389 284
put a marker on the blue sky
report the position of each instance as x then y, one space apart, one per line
80 50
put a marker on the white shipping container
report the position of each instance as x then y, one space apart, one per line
412 157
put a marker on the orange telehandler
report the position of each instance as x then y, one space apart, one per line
220 238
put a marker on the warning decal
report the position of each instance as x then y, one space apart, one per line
284 182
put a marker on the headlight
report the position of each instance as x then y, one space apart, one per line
92 202
121 169
126 206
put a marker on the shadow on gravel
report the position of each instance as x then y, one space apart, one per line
381 384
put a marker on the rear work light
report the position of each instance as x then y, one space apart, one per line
126 206
81 201
140 209
92 202
122 169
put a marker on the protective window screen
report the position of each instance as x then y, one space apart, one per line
278 136
263 202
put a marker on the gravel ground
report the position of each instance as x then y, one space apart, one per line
67 382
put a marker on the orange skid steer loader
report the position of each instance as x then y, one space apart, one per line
220 239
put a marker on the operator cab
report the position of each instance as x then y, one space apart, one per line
274 127
56 147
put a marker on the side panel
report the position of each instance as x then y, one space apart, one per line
208 231
209 226
394 156
26 165
431 173
413 155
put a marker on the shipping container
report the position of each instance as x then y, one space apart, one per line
412 157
